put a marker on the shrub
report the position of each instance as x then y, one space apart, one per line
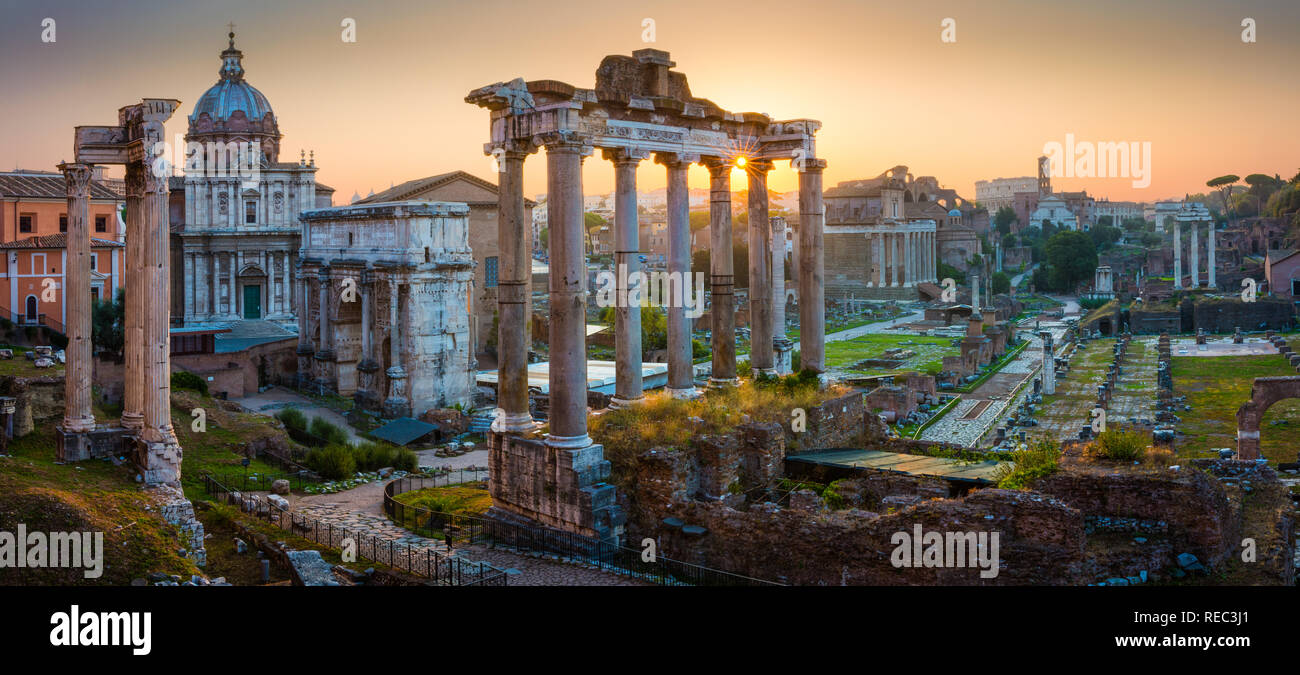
292 418
333 462
328 430
1118 445
406 460
1040 461
371 456
185 380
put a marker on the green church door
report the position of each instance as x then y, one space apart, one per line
253 301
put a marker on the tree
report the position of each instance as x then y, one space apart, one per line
1003 219
700 261
947 271
1071 258
1224 185
1104 236
1001 283
106 321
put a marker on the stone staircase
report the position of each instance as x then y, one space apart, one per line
481 421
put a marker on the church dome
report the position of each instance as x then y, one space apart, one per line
234 110
955 213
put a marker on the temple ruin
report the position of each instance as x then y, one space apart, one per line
145 425
640 108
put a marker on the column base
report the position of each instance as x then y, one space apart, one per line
570 442
686 394
769 372
616 403
132 421
719 383
513 423
397 407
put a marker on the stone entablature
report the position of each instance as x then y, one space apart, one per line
355 262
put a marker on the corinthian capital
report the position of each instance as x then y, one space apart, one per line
77 177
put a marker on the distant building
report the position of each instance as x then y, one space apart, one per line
33 235
1001 192
481 196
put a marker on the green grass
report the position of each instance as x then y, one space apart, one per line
1215 388
930 352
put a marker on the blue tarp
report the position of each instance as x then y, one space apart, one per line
403 430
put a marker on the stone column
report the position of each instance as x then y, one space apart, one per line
286 306
627 265
934 257
77 415
975 292
1210 264
878 254
1049 364
812 303
568 374
514 292
367 365
305 349
897 259
722 273
1178 255
681 374
133 317
233 300
396 405
761 357
1196 255
781 345
164 453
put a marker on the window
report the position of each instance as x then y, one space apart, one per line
250 212
63 222
26 222
92 262
101 223
490 271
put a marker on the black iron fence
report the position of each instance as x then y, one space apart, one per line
439 568
462 530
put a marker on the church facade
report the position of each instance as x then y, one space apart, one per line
234 214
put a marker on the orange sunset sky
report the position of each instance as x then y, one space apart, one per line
390 107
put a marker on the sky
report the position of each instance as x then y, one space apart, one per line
887 88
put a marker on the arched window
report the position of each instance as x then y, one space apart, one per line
31 309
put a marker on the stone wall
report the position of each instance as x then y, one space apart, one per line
1201 520
38 399
534 483
1040 540
841 422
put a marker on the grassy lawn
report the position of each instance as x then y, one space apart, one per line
1215 387
21 367
930 352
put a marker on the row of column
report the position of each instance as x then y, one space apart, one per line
903 258
1195 251
568 367
203 284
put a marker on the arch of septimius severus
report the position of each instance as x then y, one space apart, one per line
638 109
146 416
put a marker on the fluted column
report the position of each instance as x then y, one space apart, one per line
514 286
812 303
722 274
1196 255
878 255
305 349
396 405
568 373
1210 263
164 461
896 255
781 345
681 372
133 317
1178 255
627 266
77 415
760 271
